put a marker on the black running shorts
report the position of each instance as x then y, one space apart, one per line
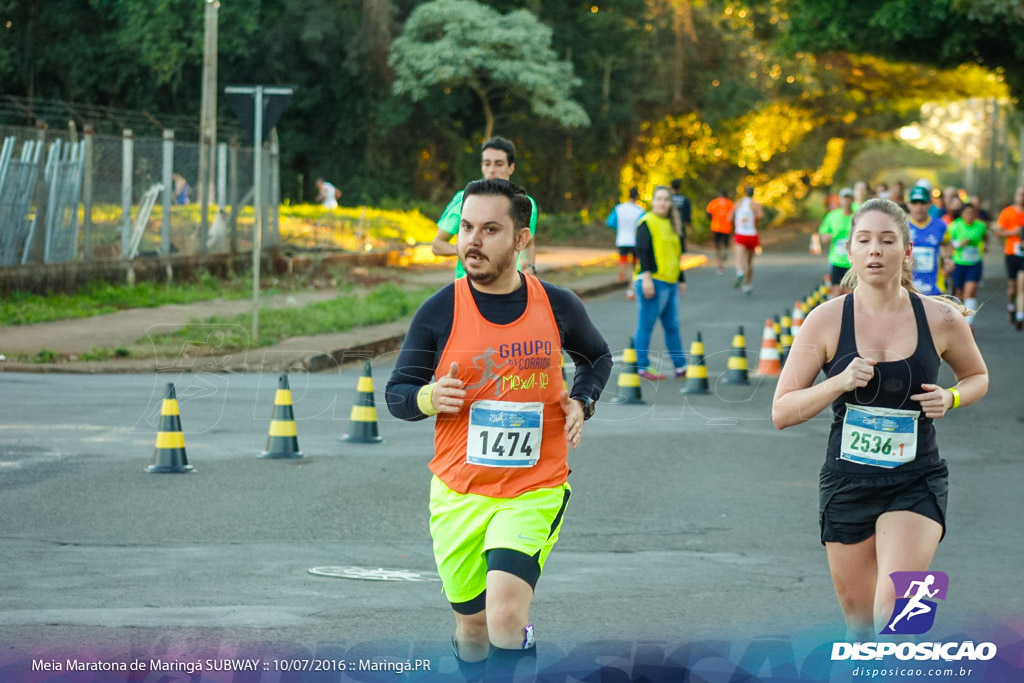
849 505
1014 264
837 273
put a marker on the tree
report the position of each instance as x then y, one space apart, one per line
944 33
463 44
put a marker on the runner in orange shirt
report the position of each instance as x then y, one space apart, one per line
1009 225
483 356
718 211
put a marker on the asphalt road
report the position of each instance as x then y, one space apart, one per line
692 518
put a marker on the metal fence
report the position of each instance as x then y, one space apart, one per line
65 196
17 185
63 178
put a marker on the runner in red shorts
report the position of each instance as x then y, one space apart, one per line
744 216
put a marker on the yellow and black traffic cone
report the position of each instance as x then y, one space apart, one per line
696 370
282 438
169 455
785 338
629 380
364 413
737 372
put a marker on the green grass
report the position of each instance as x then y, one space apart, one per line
100 297
99 354
220 334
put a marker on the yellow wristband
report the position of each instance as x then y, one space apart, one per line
956 397
423 400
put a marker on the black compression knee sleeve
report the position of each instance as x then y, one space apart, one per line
511 665
471 671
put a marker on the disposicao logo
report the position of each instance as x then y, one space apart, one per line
914 613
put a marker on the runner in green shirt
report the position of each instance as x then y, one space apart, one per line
835 232
497 160
967 236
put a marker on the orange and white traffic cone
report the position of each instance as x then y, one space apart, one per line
768 364
798 317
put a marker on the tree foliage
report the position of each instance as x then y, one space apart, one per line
392 96
944 33
462 44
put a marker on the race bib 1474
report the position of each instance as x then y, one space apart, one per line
504 433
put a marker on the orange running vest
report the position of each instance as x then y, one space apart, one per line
520 362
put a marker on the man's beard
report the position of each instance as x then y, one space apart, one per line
500 267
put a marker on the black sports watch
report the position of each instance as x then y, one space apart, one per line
589 406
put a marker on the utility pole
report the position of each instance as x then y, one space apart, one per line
258 107
208 122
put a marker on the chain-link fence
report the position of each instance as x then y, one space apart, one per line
66 195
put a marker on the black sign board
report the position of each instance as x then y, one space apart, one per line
275 100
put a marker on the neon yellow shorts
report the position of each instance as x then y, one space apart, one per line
464 526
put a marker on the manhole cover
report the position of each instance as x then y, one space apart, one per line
374 574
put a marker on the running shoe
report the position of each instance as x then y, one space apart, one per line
647 373
739 280
747 289
1020 324
681 373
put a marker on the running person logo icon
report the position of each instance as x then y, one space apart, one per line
914 613
491 370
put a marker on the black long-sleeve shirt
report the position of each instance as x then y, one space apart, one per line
645 251
432 325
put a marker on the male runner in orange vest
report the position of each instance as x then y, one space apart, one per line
484 355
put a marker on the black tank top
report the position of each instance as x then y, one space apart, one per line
891 387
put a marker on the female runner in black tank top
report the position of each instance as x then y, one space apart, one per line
880 348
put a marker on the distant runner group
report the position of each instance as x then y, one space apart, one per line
950 232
